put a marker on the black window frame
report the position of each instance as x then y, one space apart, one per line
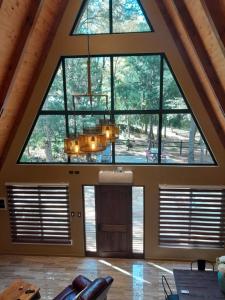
82 7
112 112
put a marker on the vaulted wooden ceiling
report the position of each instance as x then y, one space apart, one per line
27 29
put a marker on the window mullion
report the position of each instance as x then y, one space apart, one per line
160 110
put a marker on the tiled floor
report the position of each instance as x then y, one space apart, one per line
133 279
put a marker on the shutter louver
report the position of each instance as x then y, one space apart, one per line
39 214
192 217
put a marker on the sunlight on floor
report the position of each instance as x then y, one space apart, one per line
133 274
159 267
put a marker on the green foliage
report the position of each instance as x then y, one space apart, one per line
127 16
136 85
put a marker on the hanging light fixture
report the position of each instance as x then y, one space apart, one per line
72 146
94 139
110 129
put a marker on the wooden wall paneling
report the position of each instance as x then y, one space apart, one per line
163 6
28 70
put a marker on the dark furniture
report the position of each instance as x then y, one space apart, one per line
84 289
201 285
167 290
201 264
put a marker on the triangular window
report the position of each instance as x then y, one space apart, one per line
156 123
111 16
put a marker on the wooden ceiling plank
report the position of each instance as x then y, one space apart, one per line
16 53
216 9
201 51
198 84
47 35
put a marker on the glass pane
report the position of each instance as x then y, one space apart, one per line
90 219
137 82
138 137
55 97
95 18
46 144
172 97
182 142
76 125
77 83
138 219
128 17
79 122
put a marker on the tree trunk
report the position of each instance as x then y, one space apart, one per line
193 130
202 144
164 132
151 137
48 143
128 127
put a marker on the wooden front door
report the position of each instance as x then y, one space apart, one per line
114 220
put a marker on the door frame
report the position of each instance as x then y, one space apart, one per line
94 254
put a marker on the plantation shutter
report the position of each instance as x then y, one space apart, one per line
192 217
39 214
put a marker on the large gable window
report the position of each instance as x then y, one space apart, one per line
144 98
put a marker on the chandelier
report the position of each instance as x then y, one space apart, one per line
93 139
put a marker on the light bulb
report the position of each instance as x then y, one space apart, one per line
93 143
76 147
107 132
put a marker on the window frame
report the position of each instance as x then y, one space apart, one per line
80 12
113 112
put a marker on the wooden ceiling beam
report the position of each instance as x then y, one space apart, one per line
20 42
197 82
37 48
201 51
216 9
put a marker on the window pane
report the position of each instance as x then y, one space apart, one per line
182 141
138 218
172 97
128 17
137 82
55 97
138 135
95 18
90 219
77 83
78 122
46 143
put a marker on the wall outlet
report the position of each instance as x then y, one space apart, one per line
2 203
